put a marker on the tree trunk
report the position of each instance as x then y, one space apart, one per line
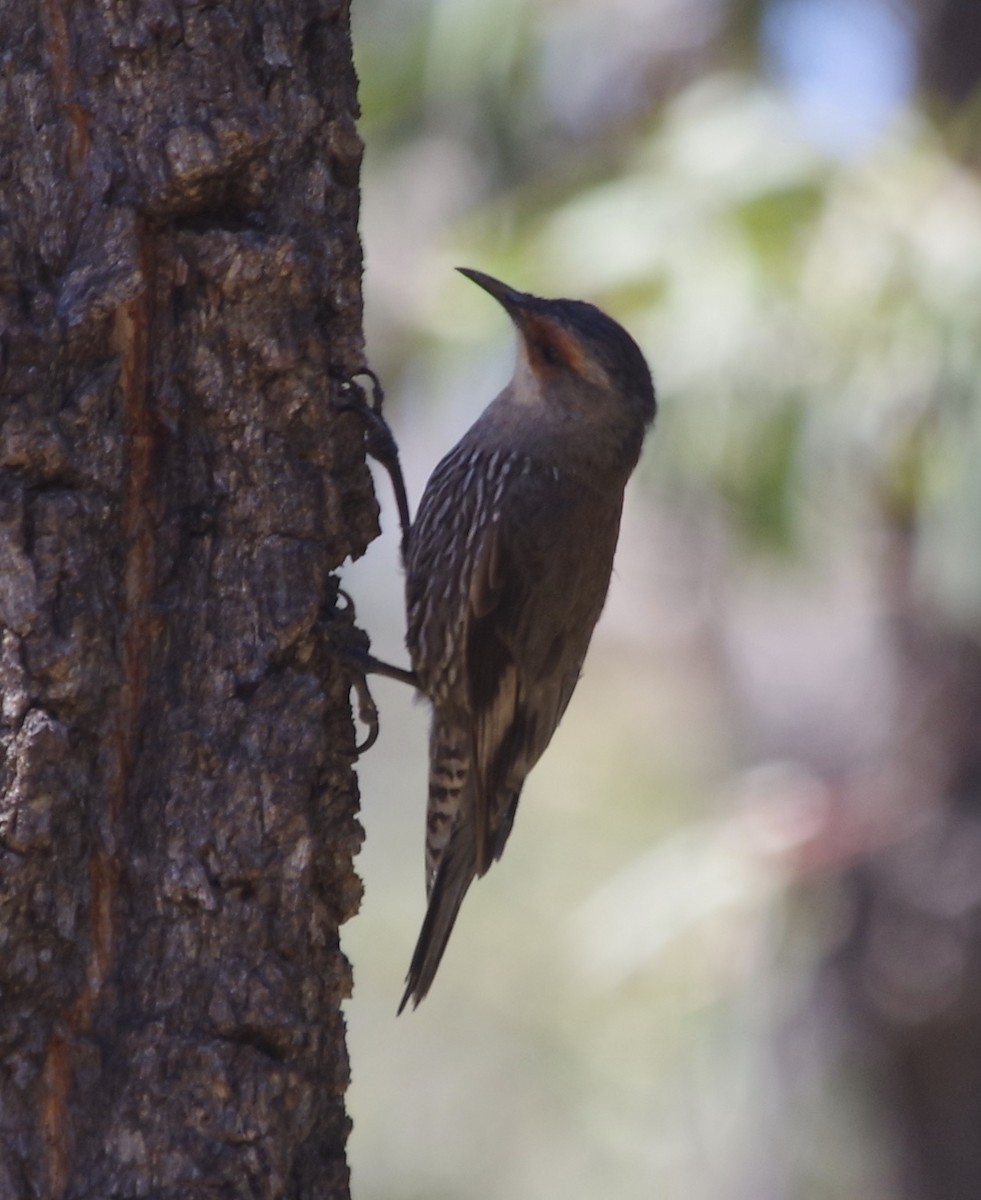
180 298
910 971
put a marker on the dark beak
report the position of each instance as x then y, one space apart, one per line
512 301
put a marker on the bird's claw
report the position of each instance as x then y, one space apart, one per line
379 440
351 657
367 713
350 648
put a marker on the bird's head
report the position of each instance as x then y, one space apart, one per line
570 349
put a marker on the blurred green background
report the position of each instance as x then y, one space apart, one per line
734 948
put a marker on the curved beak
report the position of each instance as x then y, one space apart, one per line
511 300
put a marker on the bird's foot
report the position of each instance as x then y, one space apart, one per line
350 645
379 440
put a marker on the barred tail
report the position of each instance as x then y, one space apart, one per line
449 766
453 878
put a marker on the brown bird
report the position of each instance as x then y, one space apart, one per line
508 565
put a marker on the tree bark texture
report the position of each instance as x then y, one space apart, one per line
179 301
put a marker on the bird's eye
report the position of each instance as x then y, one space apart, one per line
549 354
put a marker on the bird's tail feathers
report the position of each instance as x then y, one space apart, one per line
453 879
449 772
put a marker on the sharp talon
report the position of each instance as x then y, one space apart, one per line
379 441
352 657
367 713
377 391
359 663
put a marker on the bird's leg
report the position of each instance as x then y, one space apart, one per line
379 441
369 665
350 647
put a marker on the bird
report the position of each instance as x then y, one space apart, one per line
508 564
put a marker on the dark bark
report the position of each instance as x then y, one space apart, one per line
180 277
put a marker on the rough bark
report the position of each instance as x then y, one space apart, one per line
179 297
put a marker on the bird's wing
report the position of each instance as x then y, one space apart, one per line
493 678
531 610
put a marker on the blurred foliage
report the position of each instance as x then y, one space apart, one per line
812 322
